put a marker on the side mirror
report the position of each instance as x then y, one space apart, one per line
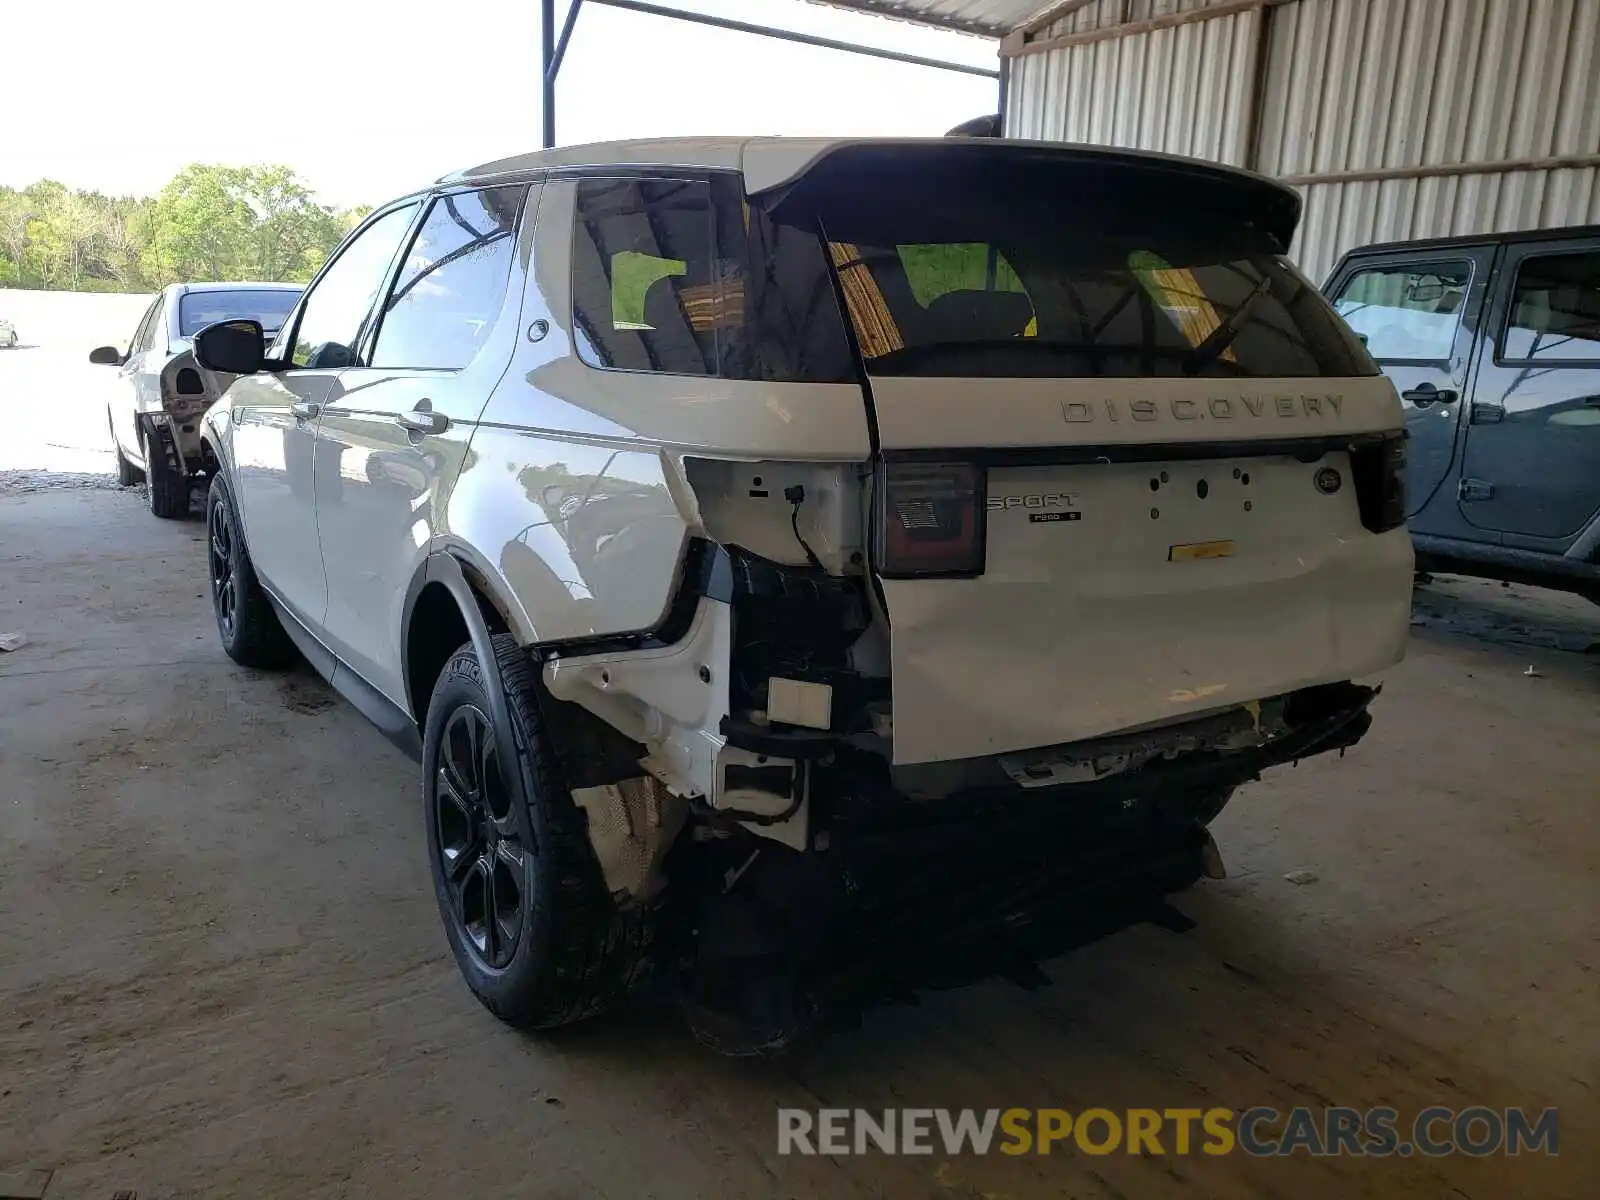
231 347
106 356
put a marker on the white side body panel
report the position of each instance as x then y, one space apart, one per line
575 494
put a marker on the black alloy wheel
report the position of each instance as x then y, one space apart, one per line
224 589
486 858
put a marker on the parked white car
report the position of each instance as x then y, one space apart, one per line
802 587
8 334
155 403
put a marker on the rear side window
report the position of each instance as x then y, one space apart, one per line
451 284
1555 310
680 277
1407 312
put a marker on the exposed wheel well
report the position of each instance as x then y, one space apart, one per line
437 631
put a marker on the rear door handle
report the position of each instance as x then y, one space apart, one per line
1425 394
307 410
423 420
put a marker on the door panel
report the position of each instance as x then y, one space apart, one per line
1531 470
398 436
274 441
378 491
1419 316
126 398
275 414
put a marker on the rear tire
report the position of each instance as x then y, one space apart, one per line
249 629
166 488
524 904
127 474
1209 807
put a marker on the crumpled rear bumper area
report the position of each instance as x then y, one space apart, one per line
916 894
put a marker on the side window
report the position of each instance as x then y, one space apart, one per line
145 333
645 293
1554 314
1407 311
452 284
683 277
338 304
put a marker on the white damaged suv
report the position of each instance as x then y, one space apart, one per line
812 570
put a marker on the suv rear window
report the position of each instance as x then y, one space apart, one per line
1013 261
1064 298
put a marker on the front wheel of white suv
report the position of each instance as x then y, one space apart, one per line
248 628
534 931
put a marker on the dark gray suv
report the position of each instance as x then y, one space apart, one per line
1493 343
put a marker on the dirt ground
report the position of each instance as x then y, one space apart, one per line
221 972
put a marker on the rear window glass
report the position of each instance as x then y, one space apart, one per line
987 268
196 310
1061 303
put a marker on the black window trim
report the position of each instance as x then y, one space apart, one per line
1378 265
1510 269
372 326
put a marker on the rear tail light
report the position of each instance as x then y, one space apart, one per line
930 520
1379 471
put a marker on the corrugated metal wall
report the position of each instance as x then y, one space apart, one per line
1182 90
1349 86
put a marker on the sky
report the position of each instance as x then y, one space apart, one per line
367 99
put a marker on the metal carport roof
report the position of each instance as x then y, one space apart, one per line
984 18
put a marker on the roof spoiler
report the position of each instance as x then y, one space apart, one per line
862 168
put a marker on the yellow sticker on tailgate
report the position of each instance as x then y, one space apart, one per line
1193 550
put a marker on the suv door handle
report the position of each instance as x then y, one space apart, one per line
307 410
423 420
1425 394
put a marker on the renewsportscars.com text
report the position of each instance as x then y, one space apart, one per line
1260 1132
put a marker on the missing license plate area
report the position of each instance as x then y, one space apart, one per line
1190 551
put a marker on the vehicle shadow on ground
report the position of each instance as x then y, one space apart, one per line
1507 614
1235 1015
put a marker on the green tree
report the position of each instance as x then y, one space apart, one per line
200 227
293 234
62 237
15 213
208 222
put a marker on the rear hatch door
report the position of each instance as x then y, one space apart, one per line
1115 434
